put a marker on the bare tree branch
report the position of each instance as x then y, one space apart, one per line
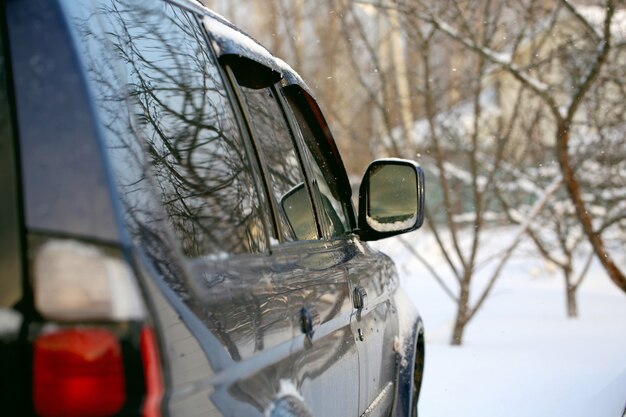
537 207
597 37
430 269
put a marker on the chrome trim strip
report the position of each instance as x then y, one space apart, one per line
382 400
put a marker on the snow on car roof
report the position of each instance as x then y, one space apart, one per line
291 76
229 40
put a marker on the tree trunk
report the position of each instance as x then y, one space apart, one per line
398 57
461 314
583 215
572 305
570 294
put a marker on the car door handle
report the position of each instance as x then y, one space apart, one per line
306 322
360 298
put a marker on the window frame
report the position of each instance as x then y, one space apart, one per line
317 123
263 162
260 159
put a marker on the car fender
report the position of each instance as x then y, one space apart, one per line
405 344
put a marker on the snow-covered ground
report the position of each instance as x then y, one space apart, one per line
521 356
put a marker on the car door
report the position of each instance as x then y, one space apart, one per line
324 359
371 275
372 281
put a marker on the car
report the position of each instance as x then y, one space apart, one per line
177 231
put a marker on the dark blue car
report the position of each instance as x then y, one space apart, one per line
177 234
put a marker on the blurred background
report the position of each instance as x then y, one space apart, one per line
516 111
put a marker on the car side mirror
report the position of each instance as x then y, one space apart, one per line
391 199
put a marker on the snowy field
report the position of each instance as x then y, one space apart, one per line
521 355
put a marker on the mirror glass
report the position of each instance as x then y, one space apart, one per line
392 197
297 208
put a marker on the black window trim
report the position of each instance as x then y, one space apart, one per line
243 125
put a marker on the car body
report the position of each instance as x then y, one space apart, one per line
178 236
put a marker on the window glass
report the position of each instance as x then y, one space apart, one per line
325 179
178 155
296 216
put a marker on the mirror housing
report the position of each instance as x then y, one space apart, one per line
391 199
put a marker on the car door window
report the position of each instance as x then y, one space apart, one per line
286 177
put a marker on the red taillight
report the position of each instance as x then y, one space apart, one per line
79 369
78 373
152 374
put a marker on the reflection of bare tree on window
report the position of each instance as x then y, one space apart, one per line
190 136
273 135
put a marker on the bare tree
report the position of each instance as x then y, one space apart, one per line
563 90
556 233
